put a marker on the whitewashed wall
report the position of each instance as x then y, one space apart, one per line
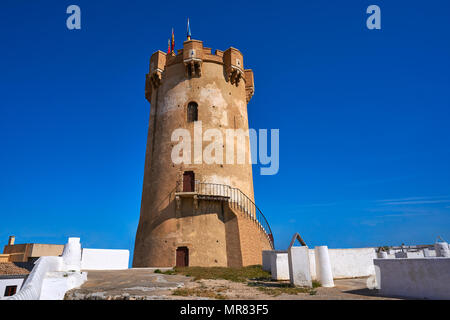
347 263
104 259
36 286
279 266
31 289
56 284
312 264
422 278
5 282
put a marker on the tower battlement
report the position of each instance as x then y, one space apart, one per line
193 55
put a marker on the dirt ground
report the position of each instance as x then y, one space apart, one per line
144 284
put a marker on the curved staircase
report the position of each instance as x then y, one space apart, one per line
236 200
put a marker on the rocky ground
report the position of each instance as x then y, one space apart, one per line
144 284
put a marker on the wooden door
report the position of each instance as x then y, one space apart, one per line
182 257
188 181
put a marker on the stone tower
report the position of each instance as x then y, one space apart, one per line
197 213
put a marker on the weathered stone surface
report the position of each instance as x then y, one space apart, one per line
131 284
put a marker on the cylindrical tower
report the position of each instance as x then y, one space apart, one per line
197 212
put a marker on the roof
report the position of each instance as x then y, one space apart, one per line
9 268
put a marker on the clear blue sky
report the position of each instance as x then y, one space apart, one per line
363 115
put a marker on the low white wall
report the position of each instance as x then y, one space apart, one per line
422 278
104 259
56 284
279 265
347 263
6 282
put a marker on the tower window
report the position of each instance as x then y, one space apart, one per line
192 112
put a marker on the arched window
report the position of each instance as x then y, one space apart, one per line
192 112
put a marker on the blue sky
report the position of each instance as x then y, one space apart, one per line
363 115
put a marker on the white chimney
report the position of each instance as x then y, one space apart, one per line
11 240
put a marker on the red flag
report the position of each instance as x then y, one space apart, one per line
172 45
168 46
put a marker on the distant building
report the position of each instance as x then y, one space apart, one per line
11 279
28 252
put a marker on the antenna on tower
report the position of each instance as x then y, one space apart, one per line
188 30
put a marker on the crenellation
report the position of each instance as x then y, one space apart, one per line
218 53
193 55
172 59
213 58
207 51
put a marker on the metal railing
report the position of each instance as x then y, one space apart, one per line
236 199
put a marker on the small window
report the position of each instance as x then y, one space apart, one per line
10 291
192 112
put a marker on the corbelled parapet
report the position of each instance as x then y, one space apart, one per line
153 78
234 65
193 55
193 58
